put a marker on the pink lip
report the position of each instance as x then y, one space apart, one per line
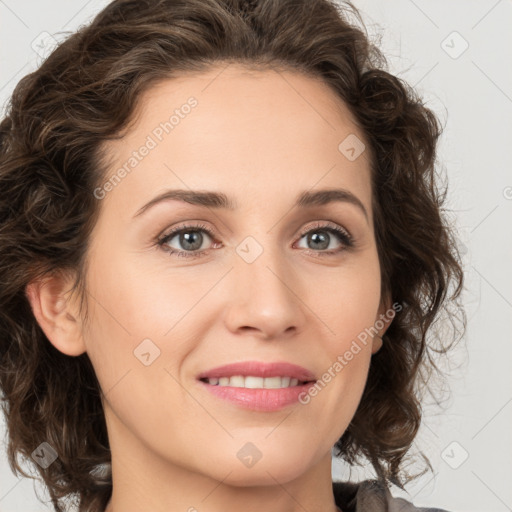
267 400
259 369
259 399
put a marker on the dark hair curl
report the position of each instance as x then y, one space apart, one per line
85 93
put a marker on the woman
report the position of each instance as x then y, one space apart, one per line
171 338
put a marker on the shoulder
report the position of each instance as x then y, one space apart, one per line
372 496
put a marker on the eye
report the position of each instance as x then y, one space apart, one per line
191 239
320 237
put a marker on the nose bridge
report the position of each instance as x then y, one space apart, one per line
263 294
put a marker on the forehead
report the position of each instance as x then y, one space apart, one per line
258 129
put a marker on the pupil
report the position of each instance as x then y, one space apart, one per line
322 238
188 238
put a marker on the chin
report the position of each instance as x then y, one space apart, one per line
261 473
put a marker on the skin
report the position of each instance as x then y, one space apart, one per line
260 137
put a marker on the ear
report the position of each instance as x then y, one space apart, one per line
56 313
383 320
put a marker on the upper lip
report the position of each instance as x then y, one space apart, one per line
260 369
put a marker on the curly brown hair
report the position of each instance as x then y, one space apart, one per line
85 93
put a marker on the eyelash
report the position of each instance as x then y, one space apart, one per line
345 238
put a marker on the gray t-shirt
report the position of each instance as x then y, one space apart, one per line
371 496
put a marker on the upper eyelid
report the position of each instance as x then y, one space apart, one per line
325 225
184 227
200 226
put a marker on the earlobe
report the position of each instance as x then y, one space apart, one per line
376 344
382 322
56 314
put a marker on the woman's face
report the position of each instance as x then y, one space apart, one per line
258 288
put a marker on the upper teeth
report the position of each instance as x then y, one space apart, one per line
241 381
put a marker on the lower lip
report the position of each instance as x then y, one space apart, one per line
259 399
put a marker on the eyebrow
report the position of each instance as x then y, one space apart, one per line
219 200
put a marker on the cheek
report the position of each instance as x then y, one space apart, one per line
138 316
348 306
350 301
134 362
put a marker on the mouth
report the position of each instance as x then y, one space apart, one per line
255 382
263 387
257 374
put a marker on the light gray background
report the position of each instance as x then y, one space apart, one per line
472 92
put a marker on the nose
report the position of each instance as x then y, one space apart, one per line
265 297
